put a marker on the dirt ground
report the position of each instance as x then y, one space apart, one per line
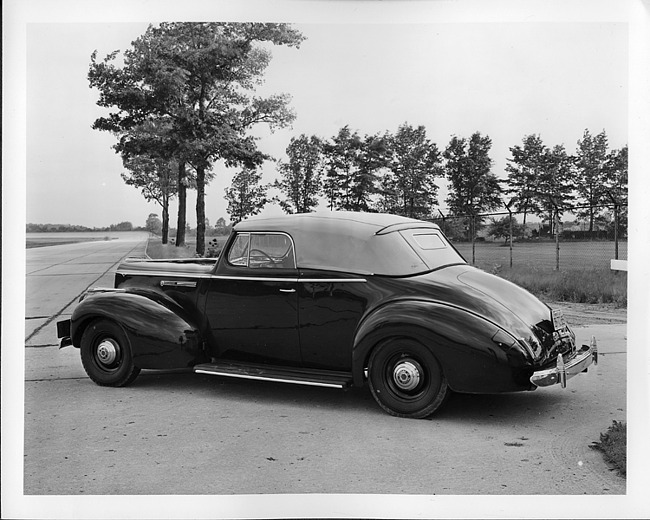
583 314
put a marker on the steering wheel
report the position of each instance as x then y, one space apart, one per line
263 254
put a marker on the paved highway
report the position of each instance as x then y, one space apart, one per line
57 275
175 433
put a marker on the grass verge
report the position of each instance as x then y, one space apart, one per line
157 250
613 445
584 286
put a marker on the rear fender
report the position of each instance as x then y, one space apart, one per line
461 341
160 332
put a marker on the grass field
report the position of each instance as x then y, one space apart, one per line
583 255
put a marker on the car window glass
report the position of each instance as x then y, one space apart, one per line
273 251
429 241
432 247
238 254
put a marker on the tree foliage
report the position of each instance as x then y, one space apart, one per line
592 164
300 177
408 188
473 187
351 164
501 228
246 196
200 78
523 171
156 179
153 224
555 183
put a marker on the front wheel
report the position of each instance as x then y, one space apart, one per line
106 354
406 380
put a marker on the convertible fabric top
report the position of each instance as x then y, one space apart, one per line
362 243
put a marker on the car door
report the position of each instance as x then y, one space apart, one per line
330 308
251 301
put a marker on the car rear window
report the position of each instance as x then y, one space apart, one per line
432 247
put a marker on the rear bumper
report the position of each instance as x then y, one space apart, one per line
566 369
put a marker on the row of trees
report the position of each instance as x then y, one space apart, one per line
397 173
68 228
183 99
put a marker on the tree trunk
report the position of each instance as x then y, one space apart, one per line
182 206
200 210
165 219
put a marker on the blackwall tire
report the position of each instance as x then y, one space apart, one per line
106 354
406 379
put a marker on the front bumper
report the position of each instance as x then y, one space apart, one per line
564 370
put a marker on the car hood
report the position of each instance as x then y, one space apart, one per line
173 267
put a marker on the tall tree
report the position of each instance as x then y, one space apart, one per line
351 164
153 224
246 196
156 180
554 186
340 156
616 182
523 173
616 186
473 188
592 165
300 178
202 76
409 188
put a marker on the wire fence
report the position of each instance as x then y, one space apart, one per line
580 238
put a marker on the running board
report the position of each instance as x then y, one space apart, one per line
299 376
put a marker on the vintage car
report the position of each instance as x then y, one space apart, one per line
329 299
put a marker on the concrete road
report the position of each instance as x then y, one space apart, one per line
182 433
57 275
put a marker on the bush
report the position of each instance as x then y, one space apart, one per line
613 445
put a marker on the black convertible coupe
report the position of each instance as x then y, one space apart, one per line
329 299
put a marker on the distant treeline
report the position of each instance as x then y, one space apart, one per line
69 228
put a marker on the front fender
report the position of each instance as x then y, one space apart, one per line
160 332
470 349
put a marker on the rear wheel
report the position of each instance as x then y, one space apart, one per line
406 380
106 354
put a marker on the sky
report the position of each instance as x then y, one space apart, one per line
505 79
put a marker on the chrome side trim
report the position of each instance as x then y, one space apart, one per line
170 274
175 283
254 278
208 276
288 279
277 380
333 280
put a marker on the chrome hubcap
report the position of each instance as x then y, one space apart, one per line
107 352
406 375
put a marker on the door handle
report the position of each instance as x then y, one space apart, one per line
288 290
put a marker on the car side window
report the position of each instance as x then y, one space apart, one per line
238 254
262 250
